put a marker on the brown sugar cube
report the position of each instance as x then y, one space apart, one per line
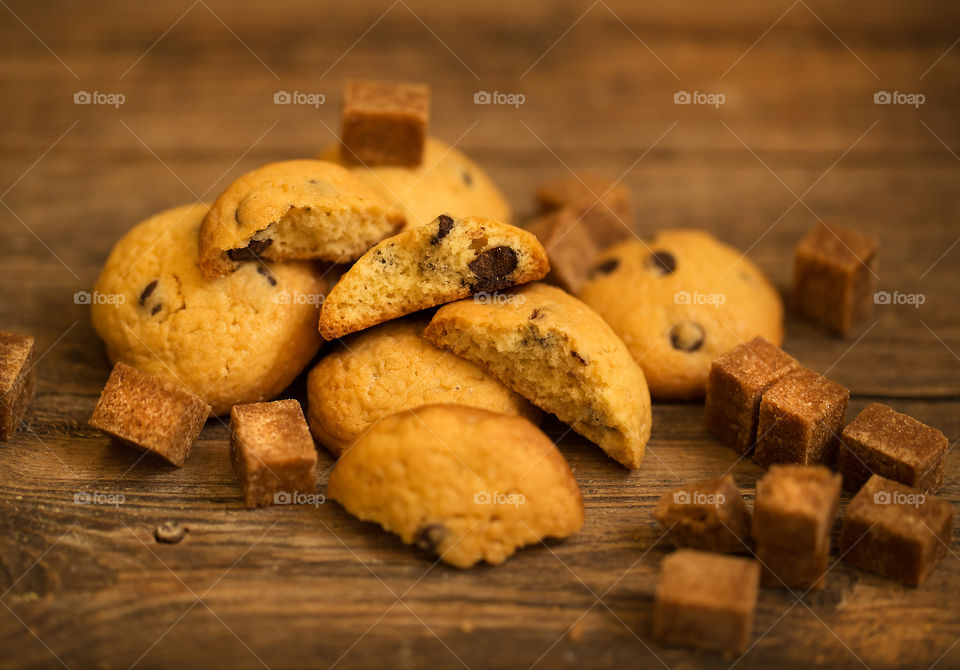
884 442
605 206
896 531
736 383
272 452
570 249
384 122
706 601
800 420
18 380
709 515
792 517
150 413
834 277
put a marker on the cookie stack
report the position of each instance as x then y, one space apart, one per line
451 340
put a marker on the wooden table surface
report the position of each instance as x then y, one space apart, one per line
798 139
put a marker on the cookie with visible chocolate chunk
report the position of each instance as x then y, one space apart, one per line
390 368
428 266
467 484
446 181
240 338
294 210
560 355
679 300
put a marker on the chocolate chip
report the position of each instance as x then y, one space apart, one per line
580 358
250 252
467 178
169 532
604 268
444 226
492 266
156 308
687 336
535 314
269 275
430 536
148 291
661 262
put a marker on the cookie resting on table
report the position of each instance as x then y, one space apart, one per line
560 355
679 300
241 338
293 210
390 368
428 266
467 484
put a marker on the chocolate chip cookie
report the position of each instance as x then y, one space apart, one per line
294 210
446 181
466 484
560 355
431 265
241 338
390 368
678 300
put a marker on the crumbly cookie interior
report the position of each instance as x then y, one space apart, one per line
426 266
304 232
541 366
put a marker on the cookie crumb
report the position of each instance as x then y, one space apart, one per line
169 532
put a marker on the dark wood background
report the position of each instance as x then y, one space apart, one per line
798 139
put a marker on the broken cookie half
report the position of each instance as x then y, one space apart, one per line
431 265
560 355
294 210
467 484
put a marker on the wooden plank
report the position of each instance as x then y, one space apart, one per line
289 586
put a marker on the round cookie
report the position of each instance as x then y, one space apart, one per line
446 182
468 484
391 368
428 266
293 210
678 300
560 355
239 339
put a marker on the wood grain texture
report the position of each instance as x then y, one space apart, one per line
88 586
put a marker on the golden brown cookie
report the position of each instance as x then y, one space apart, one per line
679 300
560 355
390 368
241 338
430 265
465 483
293 210
446 181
